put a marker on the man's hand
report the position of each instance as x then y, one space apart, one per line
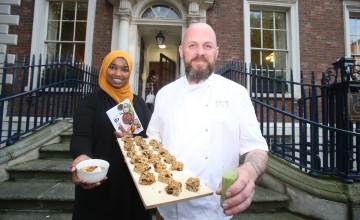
76 180
240 193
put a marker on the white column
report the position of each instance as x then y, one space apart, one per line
123 36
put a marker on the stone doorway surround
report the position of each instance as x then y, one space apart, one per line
127 21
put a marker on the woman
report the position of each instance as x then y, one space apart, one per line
94 137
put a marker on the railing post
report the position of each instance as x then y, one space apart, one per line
345 89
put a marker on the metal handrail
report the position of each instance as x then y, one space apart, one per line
40 93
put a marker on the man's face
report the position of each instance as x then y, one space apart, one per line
199 52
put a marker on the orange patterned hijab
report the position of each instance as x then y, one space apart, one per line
123 93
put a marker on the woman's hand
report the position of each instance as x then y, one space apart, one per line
81 182
122 134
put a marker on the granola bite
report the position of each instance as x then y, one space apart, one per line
159 166
177 165
146 178
165 176
141 167
169 159
174 188
193 184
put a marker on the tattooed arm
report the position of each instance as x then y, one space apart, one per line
240 193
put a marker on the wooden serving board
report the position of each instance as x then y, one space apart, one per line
154 195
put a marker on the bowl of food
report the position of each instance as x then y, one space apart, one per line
92 170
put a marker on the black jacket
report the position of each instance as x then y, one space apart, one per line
93 135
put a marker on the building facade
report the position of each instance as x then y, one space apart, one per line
283 34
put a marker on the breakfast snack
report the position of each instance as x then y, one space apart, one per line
159 166
173 188
165 176
141 167
169 159
177 165
146 178
193 184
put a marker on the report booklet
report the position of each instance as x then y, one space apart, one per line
124 118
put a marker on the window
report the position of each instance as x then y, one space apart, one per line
161 12
272 40
354 21
66 30
62 28
268 32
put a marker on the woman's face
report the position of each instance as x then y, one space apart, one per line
117 74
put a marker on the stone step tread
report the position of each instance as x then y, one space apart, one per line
263 195
46 165
268 216
58 147
37 190
32 215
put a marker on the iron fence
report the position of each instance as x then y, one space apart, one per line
314 126
36 93
306 123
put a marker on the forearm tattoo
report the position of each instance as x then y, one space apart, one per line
258 159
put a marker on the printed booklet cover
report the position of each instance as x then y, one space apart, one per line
124 118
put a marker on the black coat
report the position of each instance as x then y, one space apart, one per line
93 135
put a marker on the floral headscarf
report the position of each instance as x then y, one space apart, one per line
120 94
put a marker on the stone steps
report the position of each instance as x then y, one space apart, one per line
42 188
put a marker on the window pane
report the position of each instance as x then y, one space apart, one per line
69 11
51 50
54 10
255 19
268 58
255 57
280 60
256 38
79 52
67 50
53 30
354 45
280 20
268 20
67 31
148 14
280 40
268 39
80 32
82 11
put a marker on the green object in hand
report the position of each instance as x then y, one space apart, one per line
228 178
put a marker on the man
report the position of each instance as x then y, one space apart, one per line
207 122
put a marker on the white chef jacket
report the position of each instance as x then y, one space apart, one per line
206 126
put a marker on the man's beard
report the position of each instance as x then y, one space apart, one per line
196 75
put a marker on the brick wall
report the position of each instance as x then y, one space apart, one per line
23 30
320 26
226 17
321 34
102 32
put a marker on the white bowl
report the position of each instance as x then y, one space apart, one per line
92 177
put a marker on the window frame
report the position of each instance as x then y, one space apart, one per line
348 8
293 45
39 34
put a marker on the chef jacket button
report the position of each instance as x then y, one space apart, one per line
206 105
206 130
206 158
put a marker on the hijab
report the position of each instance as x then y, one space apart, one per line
122 93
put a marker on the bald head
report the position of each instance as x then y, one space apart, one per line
200 29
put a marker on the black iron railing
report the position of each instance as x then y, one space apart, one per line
314 126
39 93
305 123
